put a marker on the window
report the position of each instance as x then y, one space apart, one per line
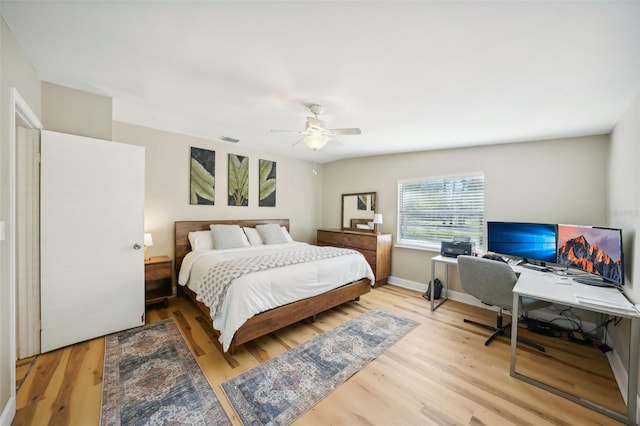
431 210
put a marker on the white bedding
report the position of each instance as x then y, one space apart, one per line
257 292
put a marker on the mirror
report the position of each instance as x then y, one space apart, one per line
358 210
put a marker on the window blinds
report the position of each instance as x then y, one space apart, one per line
431 210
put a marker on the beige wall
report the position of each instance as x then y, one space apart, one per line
298 191
556 181
76 112
15 71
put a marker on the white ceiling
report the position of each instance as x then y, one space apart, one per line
414 76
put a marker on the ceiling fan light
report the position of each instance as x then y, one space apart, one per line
316 141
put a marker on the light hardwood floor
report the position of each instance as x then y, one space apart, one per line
440 373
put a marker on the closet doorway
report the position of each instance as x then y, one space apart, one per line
24 236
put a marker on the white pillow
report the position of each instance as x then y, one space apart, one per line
271 233
287 235
253 235
200 240
228 236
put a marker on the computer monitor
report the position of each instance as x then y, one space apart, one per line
531 241
592 249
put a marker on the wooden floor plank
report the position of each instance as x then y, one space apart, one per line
440 373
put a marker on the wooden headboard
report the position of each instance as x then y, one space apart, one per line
184 227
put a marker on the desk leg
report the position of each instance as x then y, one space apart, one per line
514 333
632 385
445 285
432 286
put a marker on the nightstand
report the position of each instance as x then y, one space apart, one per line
158 282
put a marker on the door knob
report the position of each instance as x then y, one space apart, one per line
137 246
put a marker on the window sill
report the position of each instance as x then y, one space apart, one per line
421 247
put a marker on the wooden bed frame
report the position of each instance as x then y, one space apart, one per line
273 319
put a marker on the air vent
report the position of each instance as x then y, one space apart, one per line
228 139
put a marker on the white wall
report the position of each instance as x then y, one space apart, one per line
555 181
624 210
15 71
298 190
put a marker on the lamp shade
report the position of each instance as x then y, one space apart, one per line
148 240
377 218
315 141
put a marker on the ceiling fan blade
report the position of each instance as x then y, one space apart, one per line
289 131
299 140
352 131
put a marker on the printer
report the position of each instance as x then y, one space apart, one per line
456 247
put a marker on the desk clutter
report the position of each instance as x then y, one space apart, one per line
548 328
560 321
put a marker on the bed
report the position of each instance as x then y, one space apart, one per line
275 317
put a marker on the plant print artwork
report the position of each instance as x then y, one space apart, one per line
238 180
202 183
267 181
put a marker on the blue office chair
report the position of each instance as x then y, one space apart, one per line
492 283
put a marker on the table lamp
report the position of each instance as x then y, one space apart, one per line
148 242
377 221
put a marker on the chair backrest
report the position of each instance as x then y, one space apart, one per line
488 280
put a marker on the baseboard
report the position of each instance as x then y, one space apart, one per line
411 285
9 412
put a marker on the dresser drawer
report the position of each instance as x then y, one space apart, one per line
369 255
330 238
367 242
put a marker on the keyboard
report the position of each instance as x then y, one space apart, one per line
534 267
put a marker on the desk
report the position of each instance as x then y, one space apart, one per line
445 285
566 292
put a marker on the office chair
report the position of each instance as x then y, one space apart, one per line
492 283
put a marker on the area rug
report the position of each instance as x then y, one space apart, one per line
151 378
279 390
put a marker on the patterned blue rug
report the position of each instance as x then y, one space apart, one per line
151 378
279 390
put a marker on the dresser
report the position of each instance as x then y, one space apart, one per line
376 248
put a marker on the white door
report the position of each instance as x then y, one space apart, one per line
91 227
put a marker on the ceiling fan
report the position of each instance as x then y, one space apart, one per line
316 133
